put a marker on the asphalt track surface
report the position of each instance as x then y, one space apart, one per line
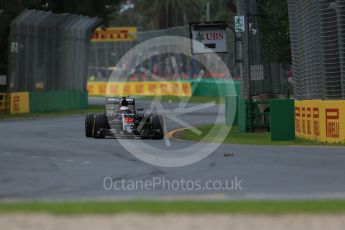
50 158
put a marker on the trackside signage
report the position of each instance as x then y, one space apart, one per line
19 102
139 88
208 38
112 34
319 120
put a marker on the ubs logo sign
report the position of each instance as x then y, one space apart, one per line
332 123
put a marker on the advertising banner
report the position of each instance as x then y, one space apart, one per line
320 120
19 102
139 88
112 34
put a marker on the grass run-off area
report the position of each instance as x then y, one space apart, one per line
237 137
179 207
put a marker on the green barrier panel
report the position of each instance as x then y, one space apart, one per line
54 101
282 119
242 115
250 117
231 110
215 88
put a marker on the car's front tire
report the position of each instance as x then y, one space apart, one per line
100 123
89 123
157 127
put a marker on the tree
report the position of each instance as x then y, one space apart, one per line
159 14
92 8
274 26
222 10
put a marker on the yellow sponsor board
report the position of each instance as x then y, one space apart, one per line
3 102
112 34
139 88
19 102
319 120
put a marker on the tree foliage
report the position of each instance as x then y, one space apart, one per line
274 26
159 14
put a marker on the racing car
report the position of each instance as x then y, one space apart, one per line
122 119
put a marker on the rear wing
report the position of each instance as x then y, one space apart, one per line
117 100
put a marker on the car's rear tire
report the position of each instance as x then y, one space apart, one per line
100 123
157 127
89 123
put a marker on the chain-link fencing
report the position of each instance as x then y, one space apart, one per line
49 51
259 75
318 48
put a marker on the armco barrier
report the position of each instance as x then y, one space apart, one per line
19 102
139 88
319 120
52 101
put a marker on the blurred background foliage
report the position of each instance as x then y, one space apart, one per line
274 26
156 14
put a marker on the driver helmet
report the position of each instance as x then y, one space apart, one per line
124 108
124 101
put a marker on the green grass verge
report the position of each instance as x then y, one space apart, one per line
90 109
190 207
237 137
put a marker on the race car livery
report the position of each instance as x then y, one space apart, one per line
122 119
